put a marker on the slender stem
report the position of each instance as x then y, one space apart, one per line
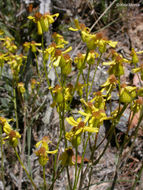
37 67
44 178
69 180
58 174
76 154
25 170
29 147
23 149
56 156
15 106
92 156
137 177
2 157
79 73
82 162
87 83
111 133
98 62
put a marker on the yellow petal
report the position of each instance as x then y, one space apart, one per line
91 130
73 29
55 15
139 52
38 144
56 63
83 113
109 63
67 50
136 70
71 121
7 128
112 44
18 135
79 131
52 152
30 17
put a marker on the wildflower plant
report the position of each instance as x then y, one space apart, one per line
86 123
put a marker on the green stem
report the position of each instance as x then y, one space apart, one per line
29 147
98 62
52 185
56 156
2 158
37 67
111 133
15 106
79 73
92 156
137 177
23 146
88 82
81 165
25 169
76 152
44 178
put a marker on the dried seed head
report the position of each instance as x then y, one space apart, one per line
118 59
123 85
70 152
99 36
38 16
82 26
99 93
139 101
81 124
53 44
79 55
58 52
112 79
66 56
45 138
41 151
12 134
89 104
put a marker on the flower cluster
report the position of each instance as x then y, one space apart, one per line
43 21
11 135
43 150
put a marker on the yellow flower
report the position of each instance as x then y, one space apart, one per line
21 87
137 105
33 46
91 57
79 60
135 59
3 58
57 91
12 135
43 151
139 69
116 65
79 26
34 83
59 40
127 94
94 113
43 21
8 44
66 157
62 58
74 136
44 143
110 84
